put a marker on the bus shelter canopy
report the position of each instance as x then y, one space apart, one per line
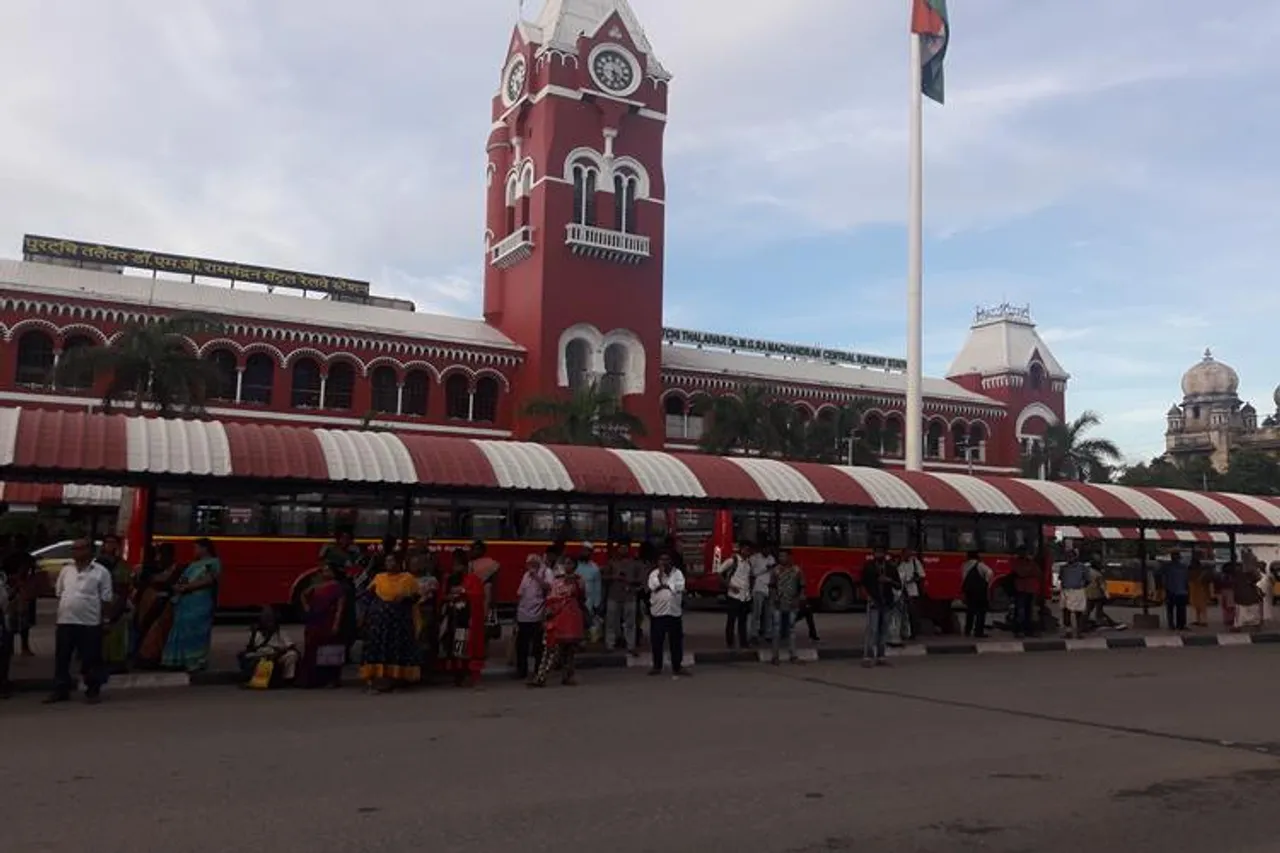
69 446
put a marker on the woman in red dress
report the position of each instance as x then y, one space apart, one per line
462 613
565 625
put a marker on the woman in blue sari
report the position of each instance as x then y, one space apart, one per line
195 598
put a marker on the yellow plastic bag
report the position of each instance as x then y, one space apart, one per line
262 672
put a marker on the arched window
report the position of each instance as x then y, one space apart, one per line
35 359
223 363
457 398
584 194
696 417
674 408
484 404
933 440
306 384
891 439
978 443
803 415
959 438
385 389
873 428
259 376
577 363
615 370
340 386
417 386
526 192
81 377
1035 376
513 185
624 201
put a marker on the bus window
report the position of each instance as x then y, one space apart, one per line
432 519
483 520
793 530
966 539
375 522
173 517
993 539
859 533
243 517
935 538
829 530
894 535
633 524
538 522
589 522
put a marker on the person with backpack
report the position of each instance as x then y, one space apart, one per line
735 573
881 582
975 586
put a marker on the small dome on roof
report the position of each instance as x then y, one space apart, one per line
1248 409
1276 397
1174 411
1210 378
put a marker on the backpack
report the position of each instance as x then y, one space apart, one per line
974 585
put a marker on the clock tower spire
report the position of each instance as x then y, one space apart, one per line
575 206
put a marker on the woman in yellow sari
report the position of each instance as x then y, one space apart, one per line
1201 591
392 654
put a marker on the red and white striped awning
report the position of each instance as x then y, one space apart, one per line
41 444
60 494
1131 533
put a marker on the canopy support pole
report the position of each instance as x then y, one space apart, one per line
1145 620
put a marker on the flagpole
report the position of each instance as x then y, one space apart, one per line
914 426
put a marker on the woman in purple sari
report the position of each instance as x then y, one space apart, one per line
323 642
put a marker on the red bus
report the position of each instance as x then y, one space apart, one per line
270 541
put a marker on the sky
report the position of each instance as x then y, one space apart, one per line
1109 163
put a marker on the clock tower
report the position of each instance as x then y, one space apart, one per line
575 205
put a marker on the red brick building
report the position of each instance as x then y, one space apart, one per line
573 292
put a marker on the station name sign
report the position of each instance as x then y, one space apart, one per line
56 248
733 342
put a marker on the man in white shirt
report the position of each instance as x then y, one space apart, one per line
761 612
735 572
666 599
83 588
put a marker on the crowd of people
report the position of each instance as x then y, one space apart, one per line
407 614
109 616
416 617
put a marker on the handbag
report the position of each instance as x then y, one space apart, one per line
331 655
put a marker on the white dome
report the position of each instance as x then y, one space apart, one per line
1210 378
1276 397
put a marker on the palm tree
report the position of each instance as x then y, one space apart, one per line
744 424
838 438
147 364
1067 454
589 416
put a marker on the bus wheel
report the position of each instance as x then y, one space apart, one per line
837 594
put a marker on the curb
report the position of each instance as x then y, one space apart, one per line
721 657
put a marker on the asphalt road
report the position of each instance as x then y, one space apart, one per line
1170 751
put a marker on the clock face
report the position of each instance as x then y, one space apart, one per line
613 70
514 86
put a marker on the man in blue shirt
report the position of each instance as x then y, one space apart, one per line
593 585
1074 577
1177 590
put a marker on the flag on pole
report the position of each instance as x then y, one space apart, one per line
929 22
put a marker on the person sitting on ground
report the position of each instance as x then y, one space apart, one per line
270 658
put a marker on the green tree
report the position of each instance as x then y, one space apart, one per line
1251 472
148 365
744 424
1069 454
588 416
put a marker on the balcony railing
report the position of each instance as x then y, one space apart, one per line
512 249
605 244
